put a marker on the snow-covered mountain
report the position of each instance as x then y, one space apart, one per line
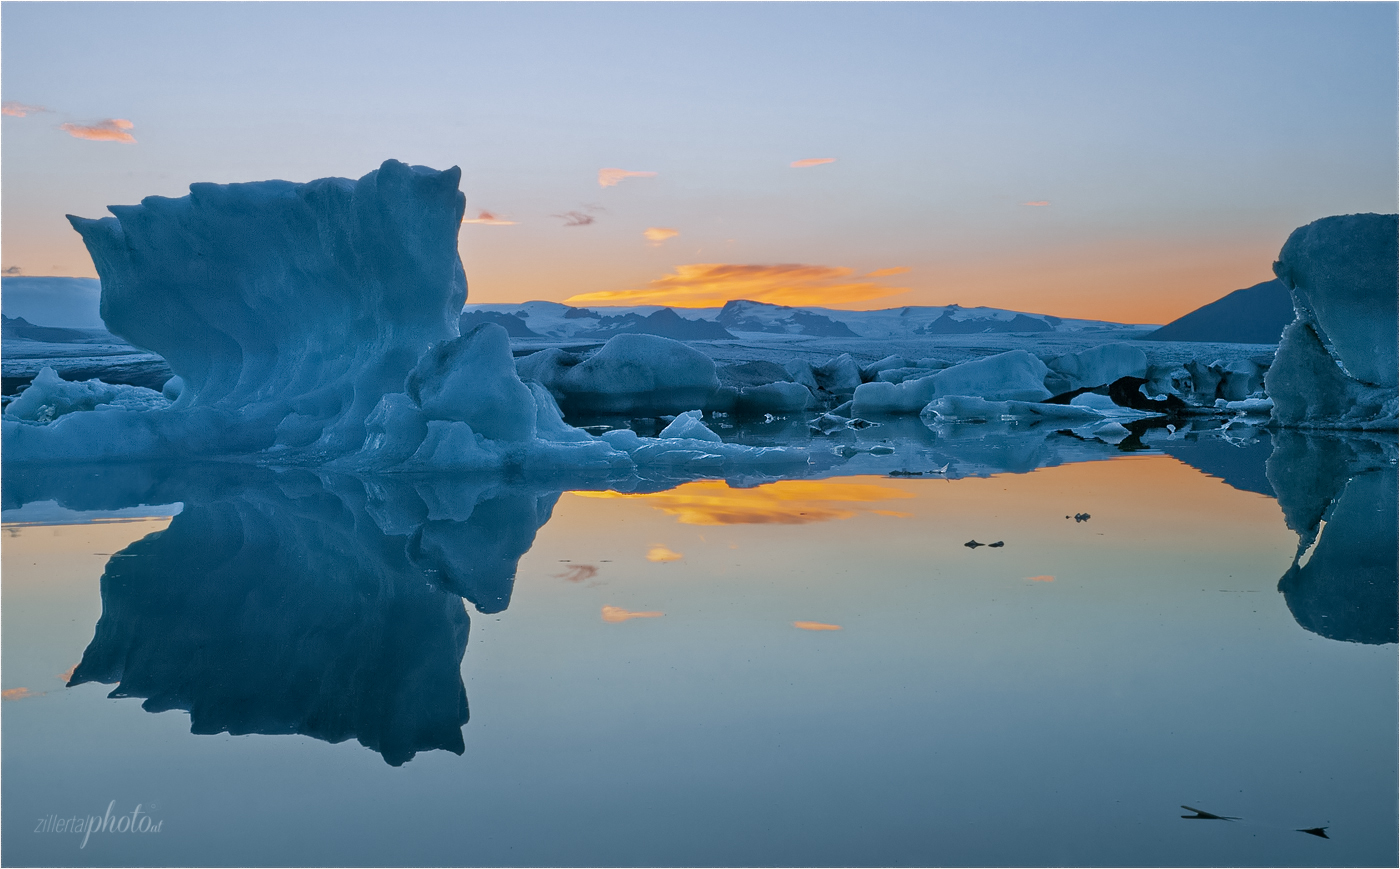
555 320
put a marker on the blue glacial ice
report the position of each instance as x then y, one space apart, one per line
317 324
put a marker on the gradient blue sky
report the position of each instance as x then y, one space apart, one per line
1176 144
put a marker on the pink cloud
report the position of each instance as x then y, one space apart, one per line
811 161
1038 203
110 130
613 177
19 110
658 234
490 219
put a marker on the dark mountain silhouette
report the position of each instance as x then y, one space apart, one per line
1255 315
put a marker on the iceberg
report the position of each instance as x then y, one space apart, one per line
318 324
1336 366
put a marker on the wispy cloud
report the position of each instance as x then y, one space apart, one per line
489 219
18 694
811 161
613 177
786 502
658 234
19 110
703 285
575 218
578 572
67 675
661 553
110 130
1037 203
893 270
816 626
618 614
1041 578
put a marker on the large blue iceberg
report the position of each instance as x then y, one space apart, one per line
317 324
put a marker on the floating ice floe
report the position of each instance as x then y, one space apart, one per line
1015 375
317 324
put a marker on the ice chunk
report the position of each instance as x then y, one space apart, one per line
871 371
1310 390
48 397
1100 365
1012 376
1107 407
689 425
839 375
1342 274
775 398
802 373
644 375
962 408
473 379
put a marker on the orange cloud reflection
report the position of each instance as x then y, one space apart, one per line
662 554
17 694
1041 578
110 130
811 161
618 614
704 285
816 626
786 502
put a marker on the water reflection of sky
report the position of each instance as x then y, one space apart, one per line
1049 701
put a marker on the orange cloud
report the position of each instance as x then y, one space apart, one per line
19 110
613 177
816 626
578 572
67 675
705 285
489 219
884 273
618 614
1039 203
110 130
786 502
1041 578
658 234
17 694
660 553
811 161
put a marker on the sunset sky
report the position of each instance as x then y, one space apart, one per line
1117 161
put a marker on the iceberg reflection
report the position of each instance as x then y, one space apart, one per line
328 607
1339 493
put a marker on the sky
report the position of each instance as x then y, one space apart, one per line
1127 162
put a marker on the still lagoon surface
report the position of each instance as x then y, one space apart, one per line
800 672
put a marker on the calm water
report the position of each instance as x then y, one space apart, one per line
806 672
